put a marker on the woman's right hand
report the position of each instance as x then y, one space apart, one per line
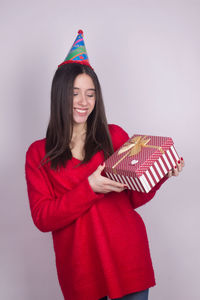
101 184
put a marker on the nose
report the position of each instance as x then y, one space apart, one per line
82 99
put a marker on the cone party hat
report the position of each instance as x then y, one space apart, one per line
77 53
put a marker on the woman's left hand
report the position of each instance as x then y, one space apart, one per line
176 169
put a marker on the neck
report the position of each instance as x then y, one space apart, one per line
79 129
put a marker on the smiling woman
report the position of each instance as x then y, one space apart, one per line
100 241
78 126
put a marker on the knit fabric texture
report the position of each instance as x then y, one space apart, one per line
100 241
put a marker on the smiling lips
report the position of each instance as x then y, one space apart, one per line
81 111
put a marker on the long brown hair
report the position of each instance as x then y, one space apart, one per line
60 127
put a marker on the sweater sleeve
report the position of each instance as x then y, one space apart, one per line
48 212
119 137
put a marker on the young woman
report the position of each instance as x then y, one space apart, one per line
100 241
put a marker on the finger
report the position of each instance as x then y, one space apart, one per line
112 188
107 188
169 174
111 182
179 166
106 180
100 168
175 171
182 162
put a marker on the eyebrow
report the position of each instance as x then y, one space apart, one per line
75 88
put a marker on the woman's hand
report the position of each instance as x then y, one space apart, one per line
101 184
176 169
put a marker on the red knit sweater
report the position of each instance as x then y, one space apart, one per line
100 241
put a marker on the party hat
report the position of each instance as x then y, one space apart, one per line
77 53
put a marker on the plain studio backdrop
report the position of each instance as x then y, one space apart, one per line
146 55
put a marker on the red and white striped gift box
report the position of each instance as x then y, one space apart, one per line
142 162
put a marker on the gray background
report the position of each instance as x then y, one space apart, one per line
146 54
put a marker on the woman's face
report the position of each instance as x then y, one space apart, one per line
83 98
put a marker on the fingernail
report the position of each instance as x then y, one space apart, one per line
181 158
175 167
179 162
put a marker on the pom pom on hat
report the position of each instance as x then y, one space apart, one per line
77 53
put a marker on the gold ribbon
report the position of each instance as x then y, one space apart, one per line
134 146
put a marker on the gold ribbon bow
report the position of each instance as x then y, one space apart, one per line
134 146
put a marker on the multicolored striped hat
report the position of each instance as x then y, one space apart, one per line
77 53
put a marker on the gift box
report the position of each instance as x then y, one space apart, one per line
142 162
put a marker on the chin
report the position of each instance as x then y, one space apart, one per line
80 121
